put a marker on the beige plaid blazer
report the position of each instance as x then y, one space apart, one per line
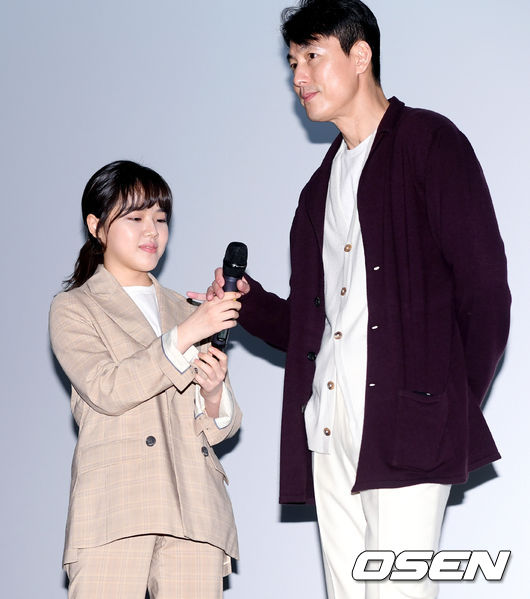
143 462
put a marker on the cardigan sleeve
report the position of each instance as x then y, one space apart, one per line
110 387
463 220
265 315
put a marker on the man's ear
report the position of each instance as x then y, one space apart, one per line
92 224
362 56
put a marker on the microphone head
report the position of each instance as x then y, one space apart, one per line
235 260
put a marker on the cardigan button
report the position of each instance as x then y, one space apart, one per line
327 432
311 356
317 301
338 335
331 385
347 247
343 291
150 441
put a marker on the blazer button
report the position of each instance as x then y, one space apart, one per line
311 356
317 301
205 451
150 441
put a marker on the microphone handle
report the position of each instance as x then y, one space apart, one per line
220 339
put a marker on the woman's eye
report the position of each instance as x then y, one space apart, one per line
135 218
162 220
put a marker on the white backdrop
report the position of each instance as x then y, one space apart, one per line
200 92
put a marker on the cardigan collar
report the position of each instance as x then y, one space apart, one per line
317 188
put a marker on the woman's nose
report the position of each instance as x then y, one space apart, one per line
151 229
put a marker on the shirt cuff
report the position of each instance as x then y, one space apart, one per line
226 407
170 344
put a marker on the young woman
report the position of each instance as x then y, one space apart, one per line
148 504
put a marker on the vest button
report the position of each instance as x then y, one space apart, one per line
317 301
311 356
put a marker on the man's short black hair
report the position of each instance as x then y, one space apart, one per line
347 20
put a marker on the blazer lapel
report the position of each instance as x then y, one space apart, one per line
119 306
172 307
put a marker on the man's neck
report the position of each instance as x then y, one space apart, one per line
367 110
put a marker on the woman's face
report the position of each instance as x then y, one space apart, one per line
133 244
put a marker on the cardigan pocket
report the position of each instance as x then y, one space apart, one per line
420 426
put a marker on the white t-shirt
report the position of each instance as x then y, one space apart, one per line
145 298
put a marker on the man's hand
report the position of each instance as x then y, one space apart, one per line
216 288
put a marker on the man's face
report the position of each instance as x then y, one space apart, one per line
324 78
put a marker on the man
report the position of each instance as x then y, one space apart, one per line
398 309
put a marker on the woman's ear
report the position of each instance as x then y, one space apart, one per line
92 224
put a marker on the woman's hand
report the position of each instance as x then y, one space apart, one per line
209 318
210 368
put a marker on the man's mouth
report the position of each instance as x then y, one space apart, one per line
307 96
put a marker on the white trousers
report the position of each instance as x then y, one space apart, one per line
406 518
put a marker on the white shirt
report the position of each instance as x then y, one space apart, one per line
341 361
145 298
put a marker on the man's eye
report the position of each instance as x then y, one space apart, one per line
162 220
292 66
312 55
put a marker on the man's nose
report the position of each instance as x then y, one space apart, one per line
300 76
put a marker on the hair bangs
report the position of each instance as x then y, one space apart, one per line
142 195
143 189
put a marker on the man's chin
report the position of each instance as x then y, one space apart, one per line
315 117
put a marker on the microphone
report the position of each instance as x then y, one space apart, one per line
234 265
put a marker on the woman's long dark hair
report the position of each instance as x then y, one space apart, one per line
117 188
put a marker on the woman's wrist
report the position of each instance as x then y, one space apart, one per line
184 341
212 401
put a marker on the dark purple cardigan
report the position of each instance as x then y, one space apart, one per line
437 289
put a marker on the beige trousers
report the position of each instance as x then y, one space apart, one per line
169 567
